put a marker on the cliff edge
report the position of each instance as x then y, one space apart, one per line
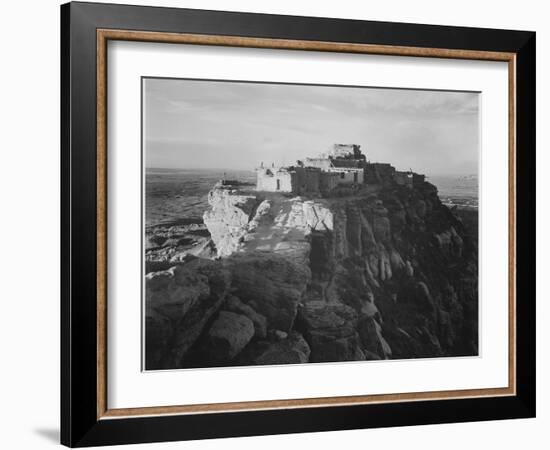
375 273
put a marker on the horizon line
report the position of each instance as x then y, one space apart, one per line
220 169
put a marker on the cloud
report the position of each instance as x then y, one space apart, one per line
190 123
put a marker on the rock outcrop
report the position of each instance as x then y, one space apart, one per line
388 272
227 336
171 243
228 218
331 330
179 303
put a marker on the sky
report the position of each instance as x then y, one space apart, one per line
197 124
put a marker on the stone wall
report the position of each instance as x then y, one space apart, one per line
274 180
418 179
404 179
351 176
328 181
312 180
321 163
379 173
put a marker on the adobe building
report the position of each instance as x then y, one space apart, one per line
379 173
273 180
418 179
321 163
347 151
293 179
409 179
345 164
404 179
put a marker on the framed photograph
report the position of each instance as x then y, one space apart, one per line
277 224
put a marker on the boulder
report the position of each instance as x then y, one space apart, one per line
260 322
174 291
280 334
179 302
330 331
292 350
270 284
227 336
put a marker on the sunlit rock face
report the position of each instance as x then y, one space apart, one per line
381 273
240 221
227 219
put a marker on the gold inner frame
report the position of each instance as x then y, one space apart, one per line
104 35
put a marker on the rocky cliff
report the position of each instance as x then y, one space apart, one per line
375 273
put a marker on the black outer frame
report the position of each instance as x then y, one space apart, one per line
79 424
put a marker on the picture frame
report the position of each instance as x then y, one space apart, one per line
86 418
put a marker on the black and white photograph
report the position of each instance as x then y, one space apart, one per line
275 224
293 224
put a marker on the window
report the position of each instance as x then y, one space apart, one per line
342 175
